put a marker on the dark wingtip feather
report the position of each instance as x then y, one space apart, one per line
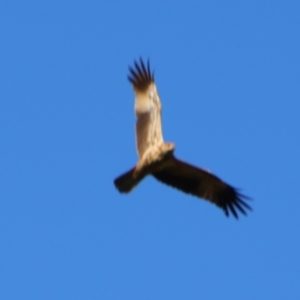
140 75
236 205
232 209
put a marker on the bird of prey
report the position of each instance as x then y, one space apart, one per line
156 157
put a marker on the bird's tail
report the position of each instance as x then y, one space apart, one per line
126 182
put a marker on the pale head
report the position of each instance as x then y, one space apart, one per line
167 147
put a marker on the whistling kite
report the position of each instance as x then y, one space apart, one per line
157 158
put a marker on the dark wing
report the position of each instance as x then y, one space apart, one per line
203 184
147 107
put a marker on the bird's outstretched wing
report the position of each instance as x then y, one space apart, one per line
147 107
203 184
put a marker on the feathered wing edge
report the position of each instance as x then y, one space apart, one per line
203 184
141 77
147 107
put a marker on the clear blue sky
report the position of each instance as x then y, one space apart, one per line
228 74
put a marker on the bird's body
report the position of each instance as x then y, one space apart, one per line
157 158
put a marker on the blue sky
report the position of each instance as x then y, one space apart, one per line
228 77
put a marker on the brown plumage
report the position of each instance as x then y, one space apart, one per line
157 158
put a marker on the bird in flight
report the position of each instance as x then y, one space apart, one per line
156 157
